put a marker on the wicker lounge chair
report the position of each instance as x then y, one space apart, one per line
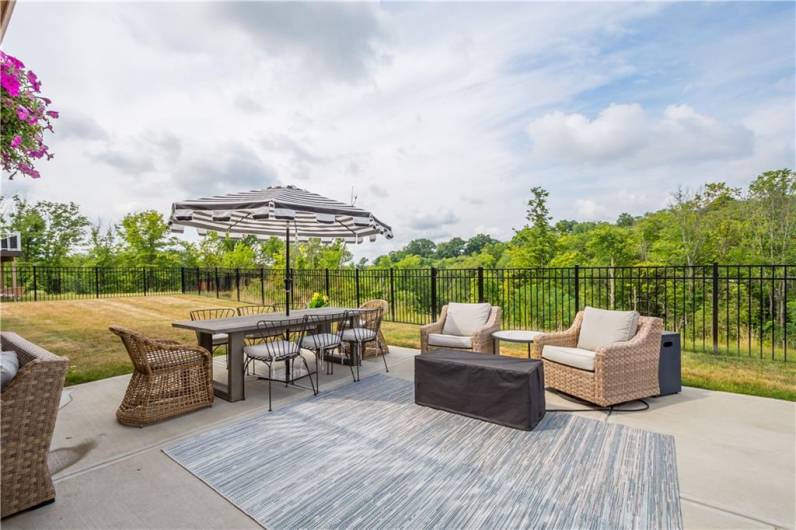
169 379
612 373
29 408
462 327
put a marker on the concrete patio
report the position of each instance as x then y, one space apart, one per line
735 457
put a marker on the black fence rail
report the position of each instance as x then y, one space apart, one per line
747 310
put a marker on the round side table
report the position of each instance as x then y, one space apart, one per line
514 335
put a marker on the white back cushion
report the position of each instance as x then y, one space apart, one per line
465 319
9 365
601 327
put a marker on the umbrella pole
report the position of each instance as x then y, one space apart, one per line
288 279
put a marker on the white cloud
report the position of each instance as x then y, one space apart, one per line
626 133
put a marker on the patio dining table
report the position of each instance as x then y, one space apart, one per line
237 328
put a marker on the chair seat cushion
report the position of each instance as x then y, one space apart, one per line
358 335
9 365
220 338
320 340
602 328
465 319
278 368
449 341
574 357
278 349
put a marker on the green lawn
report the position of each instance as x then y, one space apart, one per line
79 330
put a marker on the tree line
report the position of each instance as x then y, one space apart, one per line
715 223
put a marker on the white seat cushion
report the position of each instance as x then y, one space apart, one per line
602 328
220 338
575 357
465 319
278 368
9 366
320 340
449 341
271 350
358 335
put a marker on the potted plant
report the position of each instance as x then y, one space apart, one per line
318 300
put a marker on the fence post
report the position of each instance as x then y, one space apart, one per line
96 281
237 282
433 294
262 285
392 293
198 282
577 288
356 284
35 286
715 309
217 295
480 285
182 280
143 272
326 282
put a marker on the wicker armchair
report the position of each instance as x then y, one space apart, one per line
29 408
480 340
623 371
169 379
379 346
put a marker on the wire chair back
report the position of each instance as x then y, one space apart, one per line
326 340
248 310
281 339
366 324
213 313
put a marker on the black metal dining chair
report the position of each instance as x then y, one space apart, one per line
280 342
361 329
323 338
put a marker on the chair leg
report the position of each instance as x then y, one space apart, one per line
383 357
269 388
351 356
307 366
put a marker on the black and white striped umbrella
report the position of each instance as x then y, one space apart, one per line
272 211
281 211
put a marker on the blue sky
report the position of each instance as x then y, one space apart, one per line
440 117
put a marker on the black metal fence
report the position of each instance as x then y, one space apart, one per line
745 310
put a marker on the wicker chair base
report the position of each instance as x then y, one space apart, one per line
153 398
583 384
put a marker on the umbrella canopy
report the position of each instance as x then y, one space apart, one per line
279 211
268 212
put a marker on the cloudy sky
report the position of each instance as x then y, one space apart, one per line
439 117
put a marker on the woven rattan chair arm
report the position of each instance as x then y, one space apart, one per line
482 337
175 354
567 338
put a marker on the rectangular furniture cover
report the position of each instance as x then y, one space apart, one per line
504 390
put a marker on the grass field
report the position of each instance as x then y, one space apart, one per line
79 330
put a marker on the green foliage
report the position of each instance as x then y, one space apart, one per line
318 300
51 231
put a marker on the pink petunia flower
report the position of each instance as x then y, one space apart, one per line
16 141
22 113
52 113
10 84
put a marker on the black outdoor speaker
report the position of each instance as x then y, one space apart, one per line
669 365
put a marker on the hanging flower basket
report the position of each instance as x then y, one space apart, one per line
23 118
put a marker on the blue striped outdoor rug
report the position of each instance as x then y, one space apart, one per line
366 456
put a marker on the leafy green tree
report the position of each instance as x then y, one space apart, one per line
477 243
145 240
50 231
102 245
451 249
625 220
773 197
425 248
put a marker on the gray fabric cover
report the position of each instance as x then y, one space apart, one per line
320 340
9 365
601 327
504 390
